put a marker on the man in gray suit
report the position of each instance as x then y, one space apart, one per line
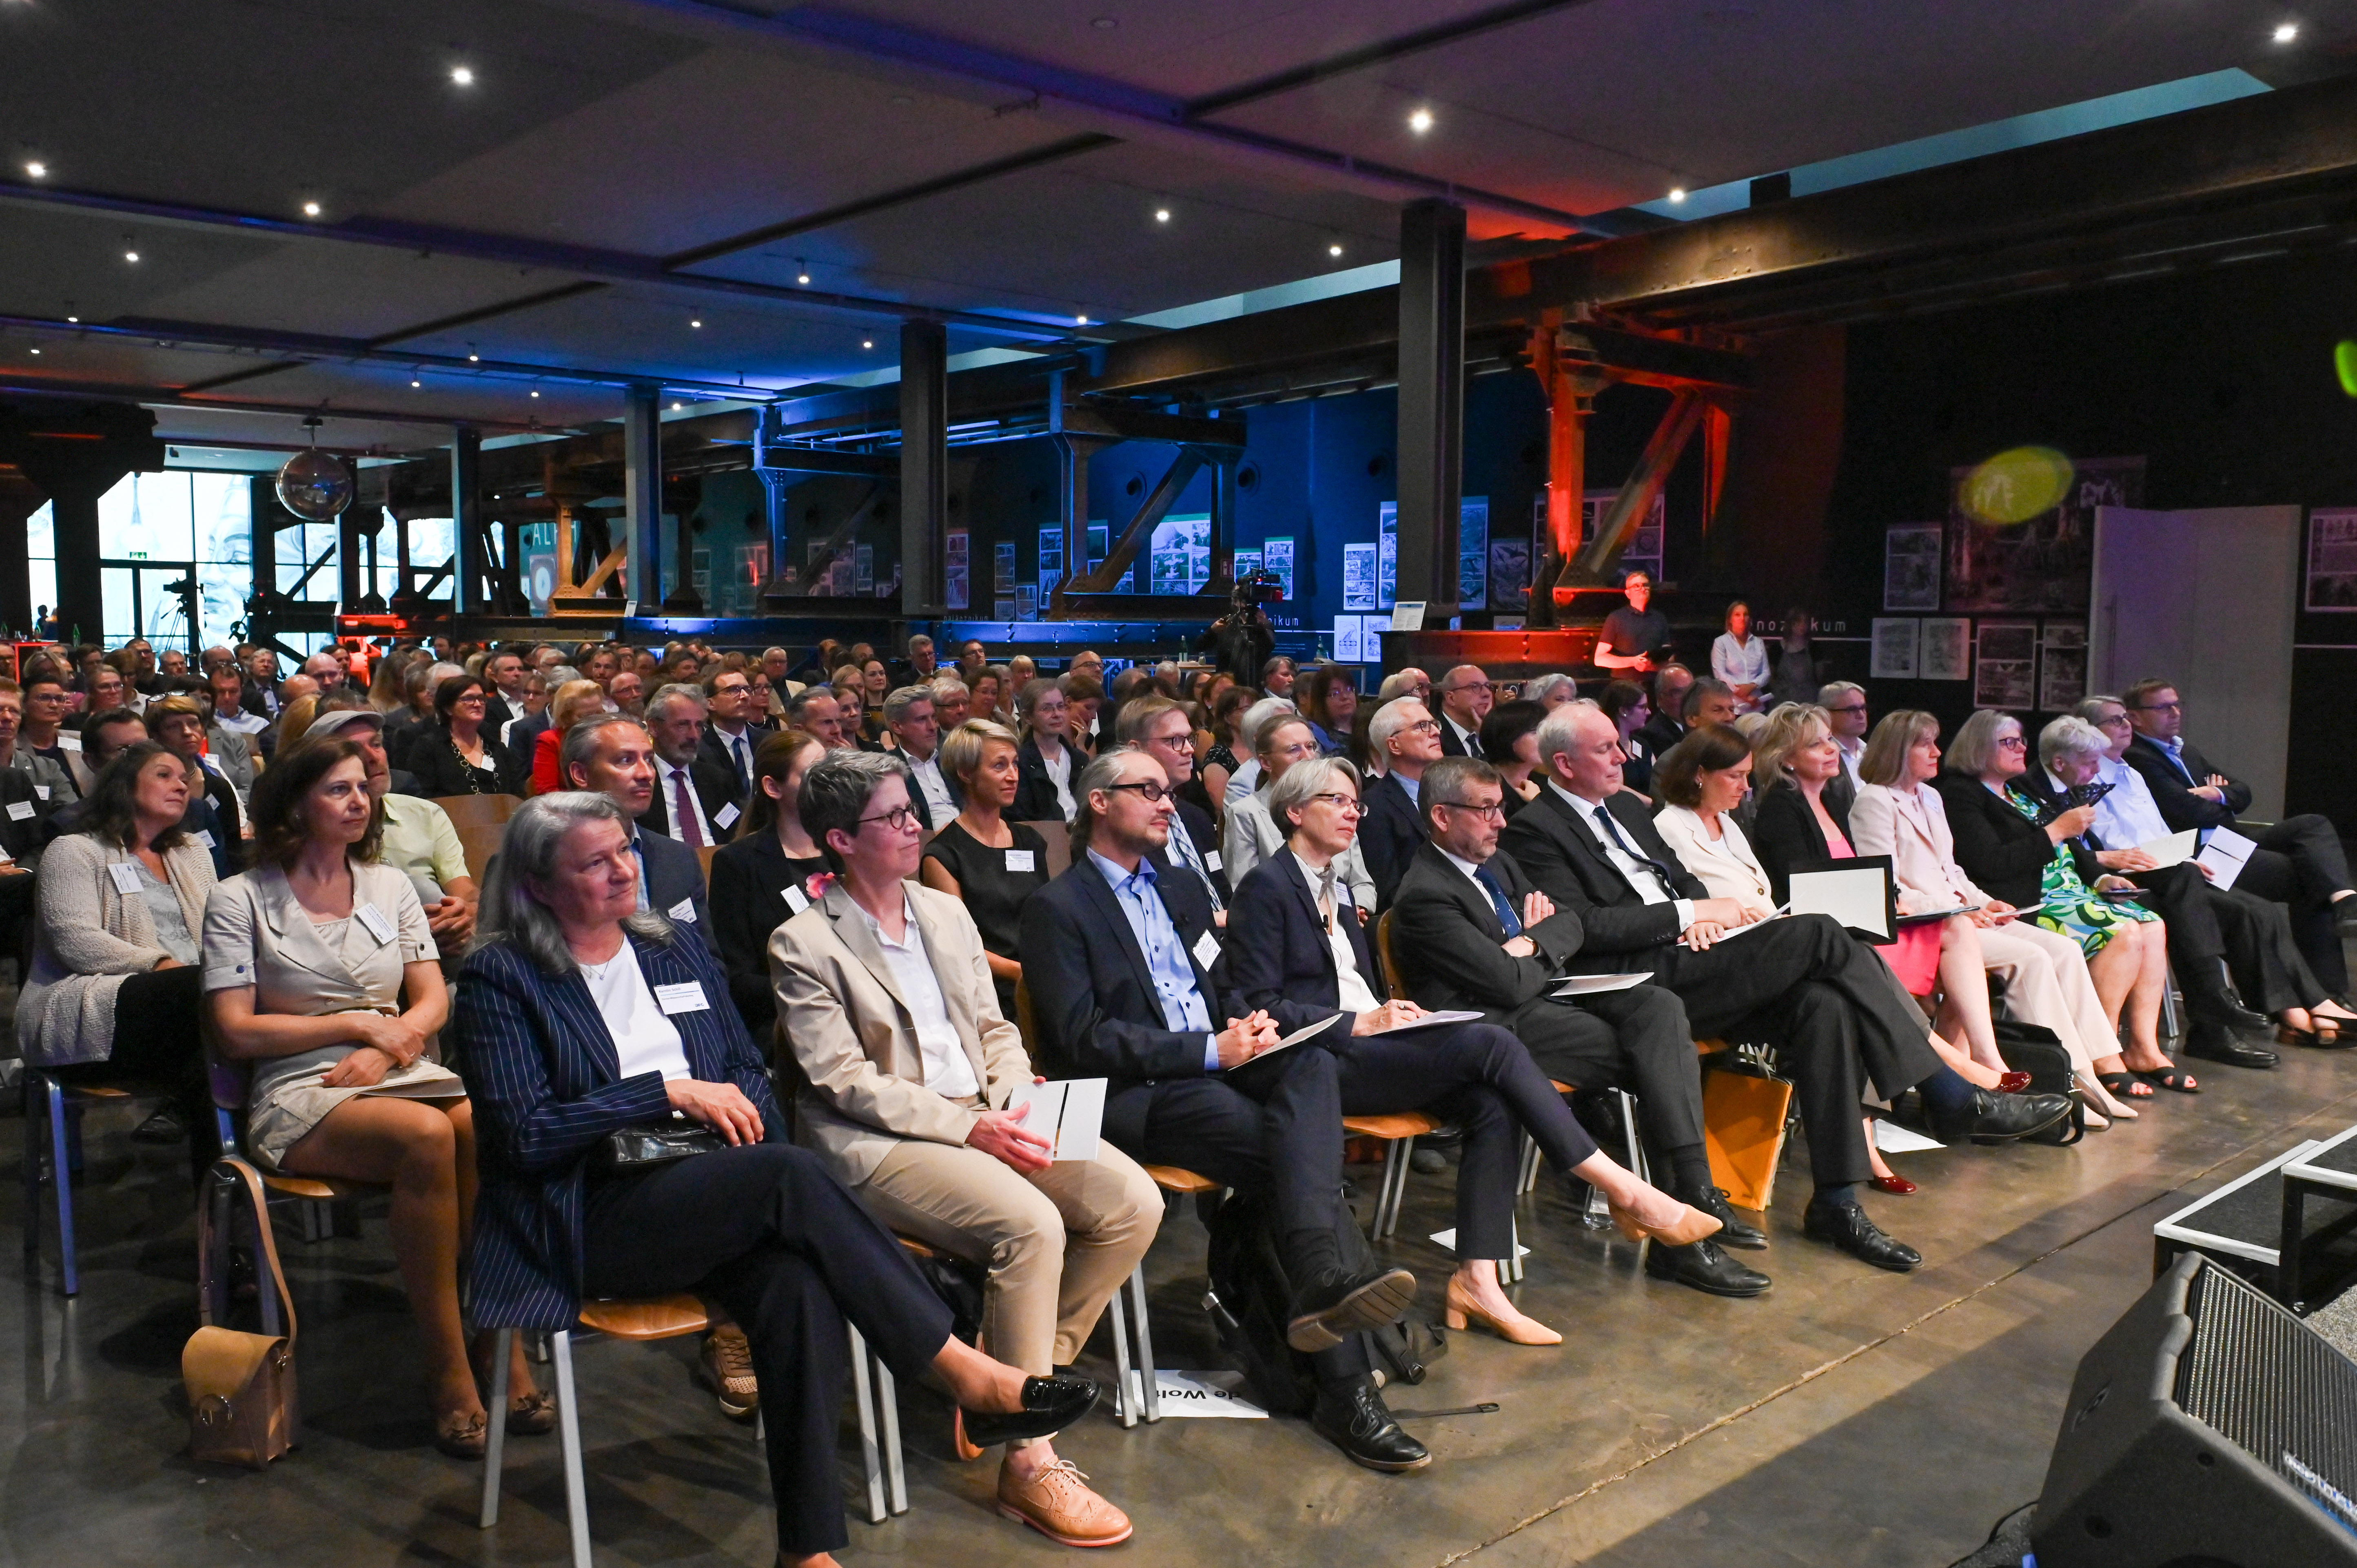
616 757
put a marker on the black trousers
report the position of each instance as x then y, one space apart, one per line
1276 1127
766 1230
1480 1076
157 1016
2181 897
2299 863
1637 1039
1827 1003
2261 954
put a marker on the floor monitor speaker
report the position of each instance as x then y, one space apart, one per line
2209 1429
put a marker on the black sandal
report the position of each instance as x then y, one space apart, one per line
2174 1079
2124 1085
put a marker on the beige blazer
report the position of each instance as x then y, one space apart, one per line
852 1033
1911 827
1724 864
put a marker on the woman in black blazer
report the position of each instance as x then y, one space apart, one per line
764 877
1280 954
456 754
1047 730
564 1044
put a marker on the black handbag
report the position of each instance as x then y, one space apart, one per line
630 1150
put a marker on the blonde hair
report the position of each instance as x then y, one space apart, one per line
1885 761
564 708
1789 727
963 748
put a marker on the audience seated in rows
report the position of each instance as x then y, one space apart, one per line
768 873
1047 755
1252 835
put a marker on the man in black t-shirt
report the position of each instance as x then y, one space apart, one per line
1635 637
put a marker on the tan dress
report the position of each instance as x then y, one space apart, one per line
257 934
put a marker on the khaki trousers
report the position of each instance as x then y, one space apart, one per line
2045 979
1055 1244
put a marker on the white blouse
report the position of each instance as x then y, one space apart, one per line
1724 864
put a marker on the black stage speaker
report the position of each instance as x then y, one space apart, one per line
2209 1429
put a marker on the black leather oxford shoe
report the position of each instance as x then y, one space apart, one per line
1352 1416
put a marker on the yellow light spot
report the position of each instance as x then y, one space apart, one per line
2016 486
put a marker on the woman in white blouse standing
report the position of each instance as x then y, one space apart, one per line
1741 659
2044 976
306 961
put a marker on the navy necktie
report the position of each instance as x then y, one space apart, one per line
1612 831
1498 901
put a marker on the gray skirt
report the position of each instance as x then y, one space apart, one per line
288 1099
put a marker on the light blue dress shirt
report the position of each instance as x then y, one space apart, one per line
1166 955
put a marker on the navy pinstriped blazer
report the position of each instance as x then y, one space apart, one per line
542 1070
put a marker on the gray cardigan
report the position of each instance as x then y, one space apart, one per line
90 939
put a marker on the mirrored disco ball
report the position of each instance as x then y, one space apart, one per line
314 487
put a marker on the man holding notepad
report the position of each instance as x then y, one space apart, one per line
909 1068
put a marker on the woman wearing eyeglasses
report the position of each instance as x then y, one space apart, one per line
1046 759
1250 834
1294 949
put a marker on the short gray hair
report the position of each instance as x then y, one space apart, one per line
898 703
676 691
1102 773
2069 736
580 743
836 789
1301 783
512 910
2091 708
1973 752
1536 691
1559 731
946 685
1832 691
1389 720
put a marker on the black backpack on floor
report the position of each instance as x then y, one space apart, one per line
1251 1300
2036 1050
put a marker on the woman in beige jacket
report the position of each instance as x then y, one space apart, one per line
887 1001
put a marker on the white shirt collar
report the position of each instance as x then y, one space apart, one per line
1472 871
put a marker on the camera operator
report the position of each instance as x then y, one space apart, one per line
1240 641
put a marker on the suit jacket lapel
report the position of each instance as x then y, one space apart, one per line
851 930
1307 897
1115 918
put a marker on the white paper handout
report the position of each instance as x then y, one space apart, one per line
1219 1393
2224 857
1598 984
1433 1020
1893 1139
1069 1113
1295 1038
1858 898
2168 850
1729 932
1449 1239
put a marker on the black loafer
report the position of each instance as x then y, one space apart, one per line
2214 1044
1335 1304
2344 917
1050 1405
1846 1226
1733 1233
1705 1268
1352 1418
1997 1118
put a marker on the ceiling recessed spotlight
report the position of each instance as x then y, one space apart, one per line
474 359
535 392
74 318
1677 193
1106 23
677 406
310 210
1162 215
869 343
2286 31
463 75
802 277
37 170
36 350
1420 121
1081 319
415 382
130 256
695 323
1333 250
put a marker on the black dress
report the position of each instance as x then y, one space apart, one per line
993 894
749 878
441 770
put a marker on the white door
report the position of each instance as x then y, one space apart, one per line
2204 600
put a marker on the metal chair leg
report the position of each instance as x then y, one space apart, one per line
35 1104
888 1406
1153 1400
1124 1403
1394 1189
1529 1180
499 1428
1510 1267
863 1393
61 1172
568 1426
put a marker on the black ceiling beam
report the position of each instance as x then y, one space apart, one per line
155 396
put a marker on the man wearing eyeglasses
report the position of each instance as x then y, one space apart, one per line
1845 705
1404 740
615 757
2299 860
1127 982
1160 728
1465 695
1472 931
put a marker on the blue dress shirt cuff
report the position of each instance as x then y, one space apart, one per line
1210 1053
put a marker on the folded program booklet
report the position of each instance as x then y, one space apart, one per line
1598 984
1857 894
1067 1112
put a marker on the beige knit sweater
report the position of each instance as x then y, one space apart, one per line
92 938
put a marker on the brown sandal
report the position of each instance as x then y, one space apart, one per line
532 1414
462 1437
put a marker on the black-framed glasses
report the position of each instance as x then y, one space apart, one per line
2159 707
1152 791
898 818
1472 686
1425 726
1497 812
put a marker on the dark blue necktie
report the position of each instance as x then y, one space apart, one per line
1497 891
1612 831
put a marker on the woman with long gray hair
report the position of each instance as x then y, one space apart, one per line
582 1016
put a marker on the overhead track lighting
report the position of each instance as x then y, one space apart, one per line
310 210
1677 193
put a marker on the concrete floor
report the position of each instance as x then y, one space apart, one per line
1847 1417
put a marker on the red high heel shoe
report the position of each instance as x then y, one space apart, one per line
2013 1083
1896 1185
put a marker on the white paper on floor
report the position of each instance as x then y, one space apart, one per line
1449 1239
1893 1139
1199 1393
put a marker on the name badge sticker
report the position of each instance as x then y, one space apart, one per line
374 918
203 838
127 877
1021 859
727 816
1207 949
19 810
69 741
796 899
1211 859
682 910
687 996
42 791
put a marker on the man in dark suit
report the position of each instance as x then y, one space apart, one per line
729 737
615 757
1667 726
1405 740
1803 982
933 793
1161 729
1470 931
1119 960
2299 860
919 667
695 799
504 702
1465 694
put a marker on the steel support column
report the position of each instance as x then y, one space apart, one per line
924 468
18 502
466 520
1431 401
73 514
642 497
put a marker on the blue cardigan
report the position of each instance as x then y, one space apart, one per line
541 1067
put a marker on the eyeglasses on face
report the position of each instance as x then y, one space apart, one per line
2012 743
1151 791
1425 726
2169 707
1488 813
897 820
1349 805
1473 686
1848 708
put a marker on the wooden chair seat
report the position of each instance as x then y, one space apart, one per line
481 841
316 1187
103 1092
1401 1124
1562 1088
478 811
646 1317
1172 1178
